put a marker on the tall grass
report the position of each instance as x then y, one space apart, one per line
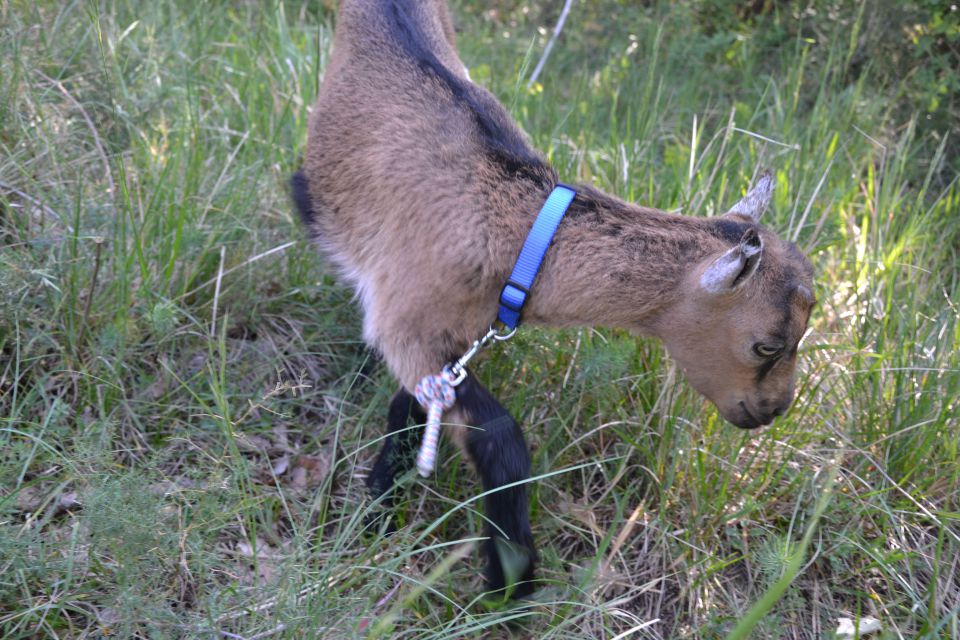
187 414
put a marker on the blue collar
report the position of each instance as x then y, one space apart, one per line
514 293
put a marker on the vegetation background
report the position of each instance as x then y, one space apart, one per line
187 415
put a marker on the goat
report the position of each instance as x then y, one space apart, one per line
420 189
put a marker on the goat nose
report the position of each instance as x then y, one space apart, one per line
782 407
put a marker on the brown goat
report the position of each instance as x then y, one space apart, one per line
420 190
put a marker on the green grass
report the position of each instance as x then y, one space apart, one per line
187 413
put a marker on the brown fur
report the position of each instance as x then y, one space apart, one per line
424 215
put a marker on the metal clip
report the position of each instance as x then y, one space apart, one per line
458 370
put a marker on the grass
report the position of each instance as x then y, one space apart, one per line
187 414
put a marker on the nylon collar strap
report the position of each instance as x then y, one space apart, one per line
514 293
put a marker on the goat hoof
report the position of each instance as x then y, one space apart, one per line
379 519
379 524
509 597
510 575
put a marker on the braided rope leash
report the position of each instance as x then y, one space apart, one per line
435 393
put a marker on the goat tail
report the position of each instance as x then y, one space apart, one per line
300 192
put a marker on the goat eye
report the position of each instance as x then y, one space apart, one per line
767 350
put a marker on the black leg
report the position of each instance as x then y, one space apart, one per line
399 447
496 445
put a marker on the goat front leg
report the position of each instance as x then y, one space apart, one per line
399 447
496 445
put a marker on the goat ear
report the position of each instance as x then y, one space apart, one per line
757 199
735 266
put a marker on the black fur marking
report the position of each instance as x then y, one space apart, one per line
501 456
300 192
785 304
785 307
730 231
587 205
765 369
399 447
502 139
613 230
